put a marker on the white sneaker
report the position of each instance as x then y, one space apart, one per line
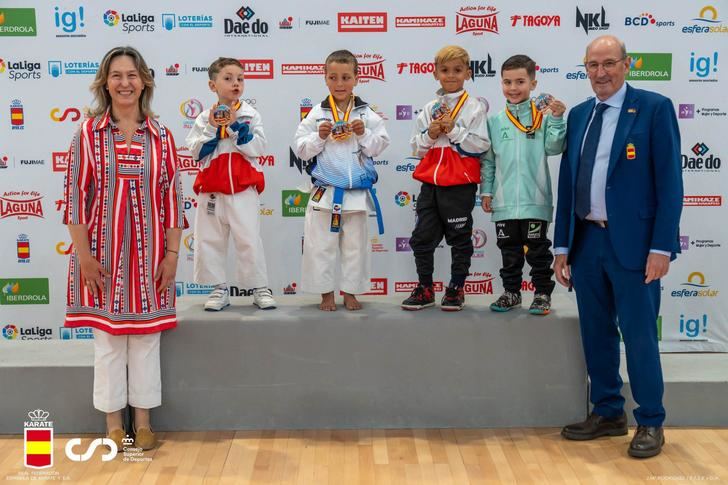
218 299
263 299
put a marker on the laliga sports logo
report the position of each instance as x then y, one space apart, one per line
10 332
190 109
111 18
402 198
73 113
2 66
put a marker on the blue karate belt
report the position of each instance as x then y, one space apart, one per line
338 205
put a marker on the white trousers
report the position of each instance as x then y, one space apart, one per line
322 248
237 215
114 355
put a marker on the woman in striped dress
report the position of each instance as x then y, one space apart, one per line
124 212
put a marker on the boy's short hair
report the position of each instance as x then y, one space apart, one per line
219 63
343 57
520 61
452 53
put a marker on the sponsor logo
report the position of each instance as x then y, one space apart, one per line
480 68
591 21
404 112
286 23
478 20
689 111
408 286
10 332
693 327
62 249
694 287
32 162
707 22
4 162
17 115
18 22
402 198
269 160
293 203
22 204
173 69
70 22
257 68
416 67
687 243
38 440
171 21
80 333
23 248
378 287
402 245
362 21
699 162
20 70
27 333
422 22
686 111
704 67
130 22
547 69
305 108
70 114
297 162
408 165
89 453
58 68
190 109
371 67
378 246
535 20
244 26
186 162
24 291
650 67
580 74
479 284
646 19
316 22
528 286
290 289
702 200
183 288
479 239
302 69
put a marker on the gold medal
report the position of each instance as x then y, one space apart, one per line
341 129
440 109
223 115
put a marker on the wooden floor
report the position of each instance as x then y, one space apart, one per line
343 457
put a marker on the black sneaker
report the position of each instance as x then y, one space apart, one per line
421 297
541 304
506 301
454 299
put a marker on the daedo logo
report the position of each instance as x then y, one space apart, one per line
699 162
650 66
362 21
22 205
702 200
244 27
302 69
478 20
257 68
421 22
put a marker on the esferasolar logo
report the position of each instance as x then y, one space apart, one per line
17 22
650 66
24 291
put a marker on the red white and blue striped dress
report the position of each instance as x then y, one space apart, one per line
128 197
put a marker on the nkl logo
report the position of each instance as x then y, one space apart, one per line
591 21
297 162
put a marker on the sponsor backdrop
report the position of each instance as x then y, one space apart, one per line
50 51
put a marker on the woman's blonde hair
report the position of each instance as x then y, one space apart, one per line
102 98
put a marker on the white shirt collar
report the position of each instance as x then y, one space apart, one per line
617 99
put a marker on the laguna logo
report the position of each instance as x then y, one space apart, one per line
22 205
362 21
186 162
257 68
371 69
478 20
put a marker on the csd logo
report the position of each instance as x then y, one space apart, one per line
72 112
72 443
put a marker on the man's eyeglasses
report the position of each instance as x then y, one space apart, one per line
609 65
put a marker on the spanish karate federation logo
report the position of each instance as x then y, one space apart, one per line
38 440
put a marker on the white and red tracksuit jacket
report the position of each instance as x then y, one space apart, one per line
452 158
229 165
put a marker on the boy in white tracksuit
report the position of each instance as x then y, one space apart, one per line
343 134
227 186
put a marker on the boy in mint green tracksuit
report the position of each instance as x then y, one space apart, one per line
516 185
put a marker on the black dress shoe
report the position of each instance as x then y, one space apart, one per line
594 427
647 442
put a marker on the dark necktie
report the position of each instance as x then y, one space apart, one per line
586 163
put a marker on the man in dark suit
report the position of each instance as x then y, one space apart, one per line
619 203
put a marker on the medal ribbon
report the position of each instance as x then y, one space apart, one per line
458 106
536 119
335 109
223 128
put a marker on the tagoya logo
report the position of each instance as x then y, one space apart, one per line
362 21
21 205
536 20
478 20
257 68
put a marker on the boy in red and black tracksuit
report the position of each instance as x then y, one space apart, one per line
450 135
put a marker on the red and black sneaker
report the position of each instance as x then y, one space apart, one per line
454 299
421 297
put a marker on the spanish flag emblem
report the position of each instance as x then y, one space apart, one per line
38 448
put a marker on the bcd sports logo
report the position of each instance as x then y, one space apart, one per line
38 440
21 204
646 19
362 21
478 20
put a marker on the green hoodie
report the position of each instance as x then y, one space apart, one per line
515 170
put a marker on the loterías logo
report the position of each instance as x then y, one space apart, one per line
362 21
22 204
477 20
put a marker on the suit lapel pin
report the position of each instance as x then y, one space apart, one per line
632 110
631 152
